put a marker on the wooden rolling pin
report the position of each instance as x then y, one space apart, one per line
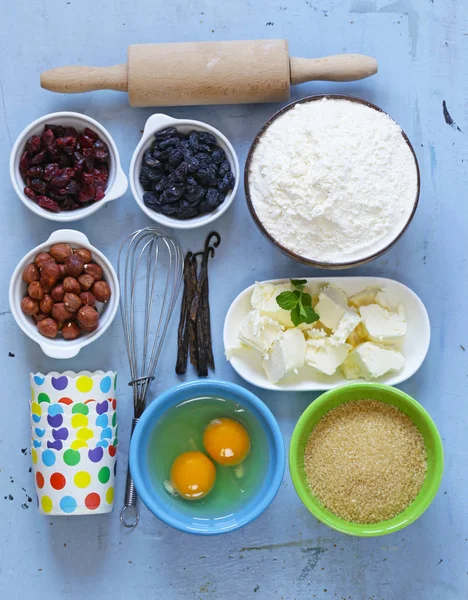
208 73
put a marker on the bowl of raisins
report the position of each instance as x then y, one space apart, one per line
65 166
64 294
183 174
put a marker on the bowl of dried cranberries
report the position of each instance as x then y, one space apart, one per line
64 294
65 166
183 174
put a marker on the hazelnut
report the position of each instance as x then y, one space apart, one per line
50 274
60 313
46 304
70 284
85 281
42 258
84 254
72 302
85 329
101 291
88 298
29 306
70 330
74 265
59 252
88 318
30 273
94 270
57 292
48 327
40 316
63 272
35 290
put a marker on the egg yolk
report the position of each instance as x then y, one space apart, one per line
226 441
193 475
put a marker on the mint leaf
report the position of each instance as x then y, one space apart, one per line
306 299
309 314
287 300
296 316
299 283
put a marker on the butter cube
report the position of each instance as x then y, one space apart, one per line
348 323
326 354
369 361
264 299
364 298
383 326
332 305
259 332
286 355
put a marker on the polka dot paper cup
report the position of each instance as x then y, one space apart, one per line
74 439
75 482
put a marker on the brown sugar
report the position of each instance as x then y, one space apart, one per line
365 461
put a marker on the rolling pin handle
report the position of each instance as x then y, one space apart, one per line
74 80
340 67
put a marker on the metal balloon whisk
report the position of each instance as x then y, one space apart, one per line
150 270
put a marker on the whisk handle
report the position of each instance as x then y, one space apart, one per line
129 515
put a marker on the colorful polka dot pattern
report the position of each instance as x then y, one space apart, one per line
74 442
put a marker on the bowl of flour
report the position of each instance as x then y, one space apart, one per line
332 181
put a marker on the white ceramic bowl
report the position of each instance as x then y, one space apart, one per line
58 347
117 183
156 123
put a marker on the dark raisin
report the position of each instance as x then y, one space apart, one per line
159 185
48 203
172 193
218 156
150 161
170 210
192 164
206 138
187 210
203 159
168 132
224 168
227 182
172 142
212 200
193 141
176 156
207 176
194 193
151 200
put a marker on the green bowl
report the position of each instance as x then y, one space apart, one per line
389 395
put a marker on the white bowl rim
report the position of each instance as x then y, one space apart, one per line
157 122
55 348
116 190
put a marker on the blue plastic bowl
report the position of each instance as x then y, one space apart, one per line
157 501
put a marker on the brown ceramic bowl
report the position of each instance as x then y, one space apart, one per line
290 253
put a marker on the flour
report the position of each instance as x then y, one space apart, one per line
333 180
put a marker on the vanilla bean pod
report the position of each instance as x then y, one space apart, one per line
182 333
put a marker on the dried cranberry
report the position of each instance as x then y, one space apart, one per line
50 171
24 163
78 161
87 193
48 137
53 152
66 142
101 151
57 130
64 161
90 133
71 188
88 154
99 194
69 204
40 158
39 186
29 193
101 174
85 141
70 132
34 144
62 177
48 204
35 172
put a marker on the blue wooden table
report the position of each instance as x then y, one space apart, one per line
422 48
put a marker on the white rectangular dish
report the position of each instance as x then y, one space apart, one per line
247 362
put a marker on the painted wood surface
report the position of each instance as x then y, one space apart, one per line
422 49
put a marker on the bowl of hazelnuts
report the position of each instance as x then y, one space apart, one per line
64 294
